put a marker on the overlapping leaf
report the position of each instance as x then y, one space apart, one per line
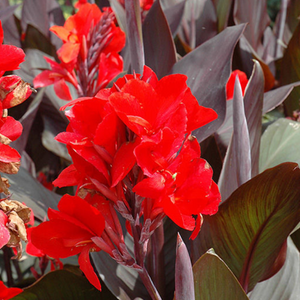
214 280
159 48
63 284
284 284
208 70
251 226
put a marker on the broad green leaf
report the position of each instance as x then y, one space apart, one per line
184 281
285 283
27 189
290 71
280 143
63 284
159 48
251 227
208 70
223 10
214 280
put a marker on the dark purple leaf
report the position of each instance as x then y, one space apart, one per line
174 16
160 54
27 189
35 39
36 13
184 281
237 163
206 24
275 97
272 99
254 96
27 120
7 12
208 70
255 13
251 227
11 32
290 71
155 260
286 23
134 35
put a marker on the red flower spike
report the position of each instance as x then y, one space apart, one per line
69 231
8 293
230 84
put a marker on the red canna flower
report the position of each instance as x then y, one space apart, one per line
8 293
70 231
13 91
89 55
11 56
58 75
230 84
183 189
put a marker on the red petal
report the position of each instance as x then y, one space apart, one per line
68 177
11 57
230 84
83 212
87 269
150 77
11 128
8 293
197 115
172 211
151 187
58 238
123 162
4 233
46 78
68 52
30 248
62 90
8 154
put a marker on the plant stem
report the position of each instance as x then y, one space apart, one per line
149 284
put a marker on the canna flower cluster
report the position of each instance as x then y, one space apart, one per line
133 153
89 57
13 91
